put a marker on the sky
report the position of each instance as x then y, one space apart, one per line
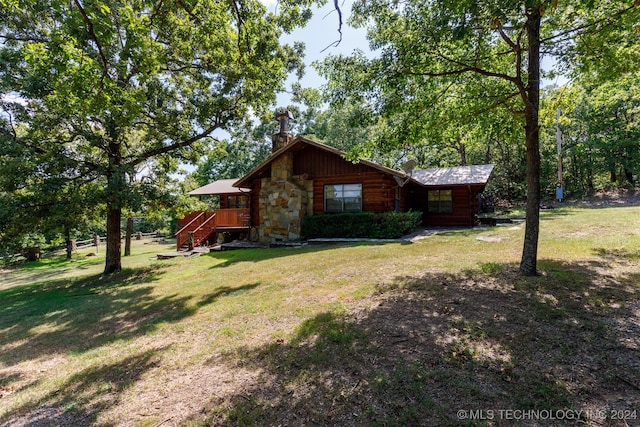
319 36
322 31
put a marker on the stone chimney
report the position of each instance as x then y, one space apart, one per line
284 136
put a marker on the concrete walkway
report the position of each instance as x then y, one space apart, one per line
419 234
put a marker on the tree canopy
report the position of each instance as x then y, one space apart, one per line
99 87
443 65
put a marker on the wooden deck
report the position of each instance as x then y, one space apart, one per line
203 225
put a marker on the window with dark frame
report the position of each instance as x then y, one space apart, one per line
237 201
343 198
440 201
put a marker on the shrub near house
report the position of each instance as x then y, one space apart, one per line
304 178
388 225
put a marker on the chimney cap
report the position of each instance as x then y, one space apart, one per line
284 114
284 117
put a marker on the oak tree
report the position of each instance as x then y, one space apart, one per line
101 86
430 52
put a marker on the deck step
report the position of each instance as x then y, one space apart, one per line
195 252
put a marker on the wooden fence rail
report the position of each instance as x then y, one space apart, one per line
88 243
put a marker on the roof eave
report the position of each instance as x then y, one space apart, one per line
243 182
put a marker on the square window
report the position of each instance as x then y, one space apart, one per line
440 201
343 198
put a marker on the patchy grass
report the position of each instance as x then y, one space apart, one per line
427 333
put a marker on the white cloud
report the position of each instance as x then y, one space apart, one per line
12 97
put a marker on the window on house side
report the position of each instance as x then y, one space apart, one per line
236 201
440 201
343 198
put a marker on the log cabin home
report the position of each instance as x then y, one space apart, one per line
304 177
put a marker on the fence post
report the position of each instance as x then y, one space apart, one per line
190 240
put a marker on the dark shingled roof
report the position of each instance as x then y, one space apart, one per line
459 175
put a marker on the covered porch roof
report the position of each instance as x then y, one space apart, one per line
215 188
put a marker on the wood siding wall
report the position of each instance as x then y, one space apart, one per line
326 168
223 202
256 185
465 207
378 190
317 163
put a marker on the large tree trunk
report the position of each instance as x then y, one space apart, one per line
127 238
112 262
116 186
528 263
462 150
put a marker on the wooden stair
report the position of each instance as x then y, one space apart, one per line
202 226
205 224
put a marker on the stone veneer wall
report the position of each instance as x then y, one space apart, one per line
283 205
284 201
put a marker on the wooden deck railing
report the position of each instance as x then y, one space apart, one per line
190 223
234 217
206 223
204 230
183 234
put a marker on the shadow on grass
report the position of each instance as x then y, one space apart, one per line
77 315
618 254
81 398
432 345
224 291
230 257
557 212
44 270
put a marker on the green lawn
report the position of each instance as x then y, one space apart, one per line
360 334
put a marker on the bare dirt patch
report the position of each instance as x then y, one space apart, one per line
433 349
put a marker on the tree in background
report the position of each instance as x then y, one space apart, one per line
490 52
600 125
100 87
247 146
250 144
152 190
611 112
40 197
